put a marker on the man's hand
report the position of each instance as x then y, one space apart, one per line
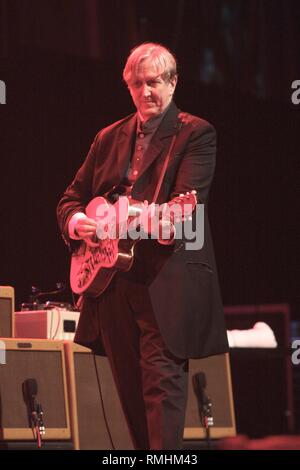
85 228
166 232
158 226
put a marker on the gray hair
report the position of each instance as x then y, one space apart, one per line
162 59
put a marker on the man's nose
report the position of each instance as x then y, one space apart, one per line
146 91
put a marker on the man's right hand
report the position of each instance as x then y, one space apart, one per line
85 229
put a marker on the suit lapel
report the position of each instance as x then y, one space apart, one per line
125 144
158 144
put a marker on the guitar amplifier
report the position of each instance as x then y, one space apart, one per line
41 362
219 389
97 419
55 323
261 377
7 308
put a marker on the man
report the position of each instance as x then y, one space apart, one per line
167 307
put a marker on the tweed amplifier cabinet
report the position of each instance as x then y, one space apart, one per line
94 409
216 370
39 364
7 309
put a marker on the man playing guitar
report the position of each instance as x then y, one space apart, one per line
150 314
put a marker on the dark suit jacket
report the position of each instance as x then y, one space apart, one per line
183 285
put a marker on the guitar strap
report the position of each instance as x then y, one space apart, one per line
166 162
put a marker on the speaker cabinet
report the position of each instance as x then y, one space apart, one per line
219 390
7 309
95 408
262 378
44 362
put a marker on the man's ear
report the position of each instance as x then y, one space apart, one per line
173 82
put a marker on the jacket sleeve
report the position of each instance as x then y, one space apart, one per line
197 167
78 193
195 172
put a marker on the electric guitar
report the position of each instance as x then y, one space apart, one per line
120 227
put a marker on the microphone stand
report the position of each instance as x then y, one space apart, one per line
34 409
204 405
37 423
207 419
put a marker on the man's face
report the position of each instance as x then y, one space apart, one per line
151 94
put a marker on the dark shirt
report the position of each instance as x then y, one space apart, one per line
144 133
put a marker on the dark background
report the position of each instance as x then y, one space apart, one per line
62 64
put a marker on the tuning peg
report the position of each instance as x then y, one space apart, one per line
181 195
190 217
187 193
194 192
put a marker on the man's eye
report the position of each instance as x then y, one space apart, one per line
151 83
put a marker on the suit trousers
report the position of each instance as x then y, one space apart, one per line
151 381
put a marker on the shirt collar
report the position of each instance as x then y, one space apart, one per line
152 124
